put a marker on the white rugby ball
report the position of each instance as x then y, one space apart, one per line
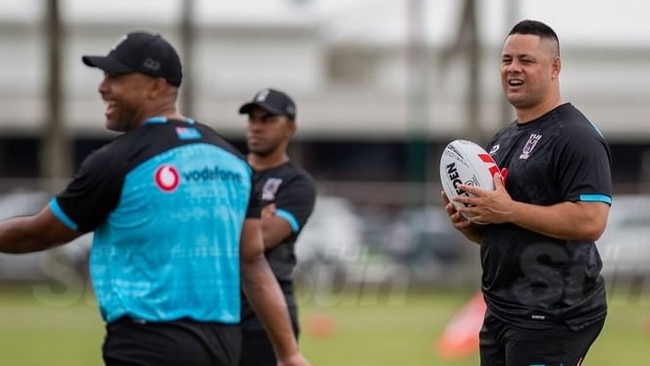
465 162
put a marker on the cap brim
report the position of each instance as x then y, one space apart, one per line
246 108
107 64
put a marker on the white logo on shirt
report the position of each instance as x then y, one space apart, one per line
270 188
530 145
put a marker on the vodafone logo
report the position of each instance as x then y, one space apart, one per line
167 178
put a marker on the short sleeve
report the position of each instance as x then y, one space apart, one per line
295 201
583 168
92 194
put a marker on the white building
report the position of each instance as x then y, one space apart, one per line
346 63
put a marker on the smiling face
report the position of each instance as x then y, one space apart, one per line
125 97
530 67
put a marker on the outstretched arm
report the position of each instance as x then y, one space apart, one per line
26 234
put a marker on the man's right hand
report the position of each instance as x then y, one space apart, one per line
459 222
295 360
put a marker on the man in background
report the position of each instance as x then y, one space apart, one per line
287 194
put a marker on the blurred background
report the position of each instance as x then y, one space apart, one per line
381 87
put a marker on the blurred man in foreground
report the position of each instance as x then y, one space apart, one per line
170 205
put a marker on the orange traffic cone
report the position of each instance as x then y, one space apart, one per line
460 337
320 326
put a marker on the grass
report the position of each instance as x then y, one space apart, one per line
38 327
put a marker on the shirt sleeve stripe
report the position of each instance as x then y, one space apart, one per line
58 212
595 198
290 219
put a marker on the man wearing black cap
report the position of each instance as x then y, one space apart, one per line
169 202
287 194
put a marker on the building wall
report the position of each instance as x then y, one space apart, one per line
344 90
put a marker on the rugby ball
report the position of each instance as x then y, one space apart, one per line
465 162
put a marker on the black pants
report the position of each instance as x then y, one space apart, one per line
176 343
256 348
502 344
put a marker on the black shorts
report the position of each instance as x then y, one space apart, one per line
257 349
176 343
502 344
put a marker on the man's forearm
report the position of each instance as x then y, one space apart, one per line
17 238
473 235
265 296
566 220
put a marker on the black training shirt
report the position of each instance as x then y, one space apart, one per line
293 192
533 280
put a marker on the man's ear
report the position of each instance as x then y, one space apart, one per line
157 87
292 127
557 67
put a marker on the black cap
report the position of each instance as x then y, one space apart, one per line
272 101
144 53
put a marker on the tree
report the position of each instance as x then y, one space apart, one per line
55 157
187 42
467 43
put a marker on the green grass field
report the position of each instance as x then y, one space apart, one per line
41 328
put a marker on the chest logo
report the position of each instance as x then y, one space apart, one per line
270 188
530 145
494 149
167 178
